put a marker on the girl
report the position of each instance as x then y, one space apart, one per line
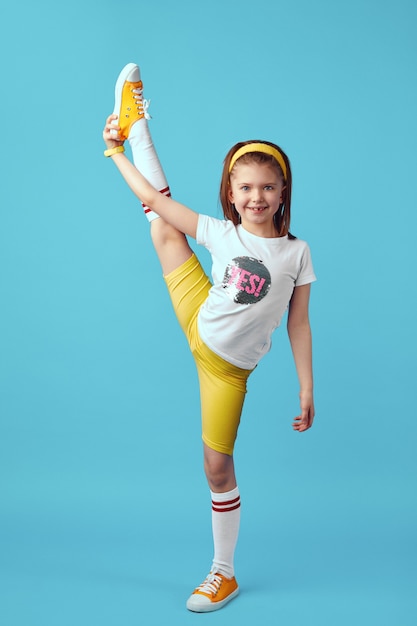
259 269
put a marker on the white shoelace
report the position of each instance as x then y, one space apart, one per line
141 103
211 584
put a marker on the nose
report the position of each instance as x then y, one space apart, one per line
257 195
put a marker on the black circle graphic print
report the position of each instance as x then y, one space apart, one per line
246 280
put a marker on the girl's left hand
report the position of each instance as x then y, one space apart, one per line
305 420
110 139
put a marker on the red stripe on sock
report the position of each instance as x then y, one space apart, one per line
225 502
231 508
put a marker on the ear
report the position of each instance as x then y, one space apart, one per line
283 194
230 194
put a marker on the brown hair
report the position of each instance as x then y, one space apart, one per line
283 215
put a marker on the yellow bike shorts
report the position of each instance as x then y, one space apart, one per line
222 385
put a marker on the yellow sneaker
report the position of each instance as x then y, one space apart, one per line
129 103
213 593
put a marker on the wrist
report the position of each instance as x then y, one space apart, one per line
111 151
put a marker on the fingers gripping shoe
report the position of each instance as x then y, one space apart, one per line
129 103
213 593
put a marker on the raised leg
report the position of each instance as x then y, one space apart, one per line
170 244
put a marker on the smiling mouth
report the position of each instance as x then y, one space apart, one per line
257 209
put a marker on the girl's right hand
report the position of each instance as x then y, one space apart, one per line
111 139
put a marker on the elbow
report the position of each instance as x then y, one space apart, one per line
146 197
298 327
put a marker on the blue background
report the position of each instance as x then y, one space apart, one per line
105 513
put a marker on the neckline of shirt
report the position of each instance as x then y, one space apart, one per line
271 240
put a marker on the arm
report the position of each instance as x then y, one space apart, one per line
299 333
175 213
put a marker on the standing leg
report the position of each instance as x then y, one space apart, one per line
170 244
225 504
222 391
220 586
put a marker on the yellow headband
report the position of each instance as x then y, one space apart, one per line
259 147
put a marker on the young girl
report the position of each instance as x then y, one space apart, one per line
259 270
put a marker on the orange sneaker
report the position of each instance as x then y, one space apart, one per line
129 103
213 593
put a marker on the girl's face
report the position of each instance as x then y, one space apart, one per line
256 191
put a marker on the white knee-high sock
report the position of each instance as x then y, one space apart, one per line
146 161
225 522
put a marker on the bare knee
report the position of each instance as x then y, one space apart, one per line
170 244
164 234
219 470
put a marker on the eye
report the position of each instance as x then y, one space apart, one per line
268 187
244 188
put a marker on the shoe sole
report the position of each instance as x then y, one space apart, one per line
212 606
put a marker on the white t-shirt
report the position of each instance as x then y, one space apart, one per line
253 281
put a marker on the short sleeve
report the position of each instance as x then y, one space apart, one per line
202 226
306 273
210 231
